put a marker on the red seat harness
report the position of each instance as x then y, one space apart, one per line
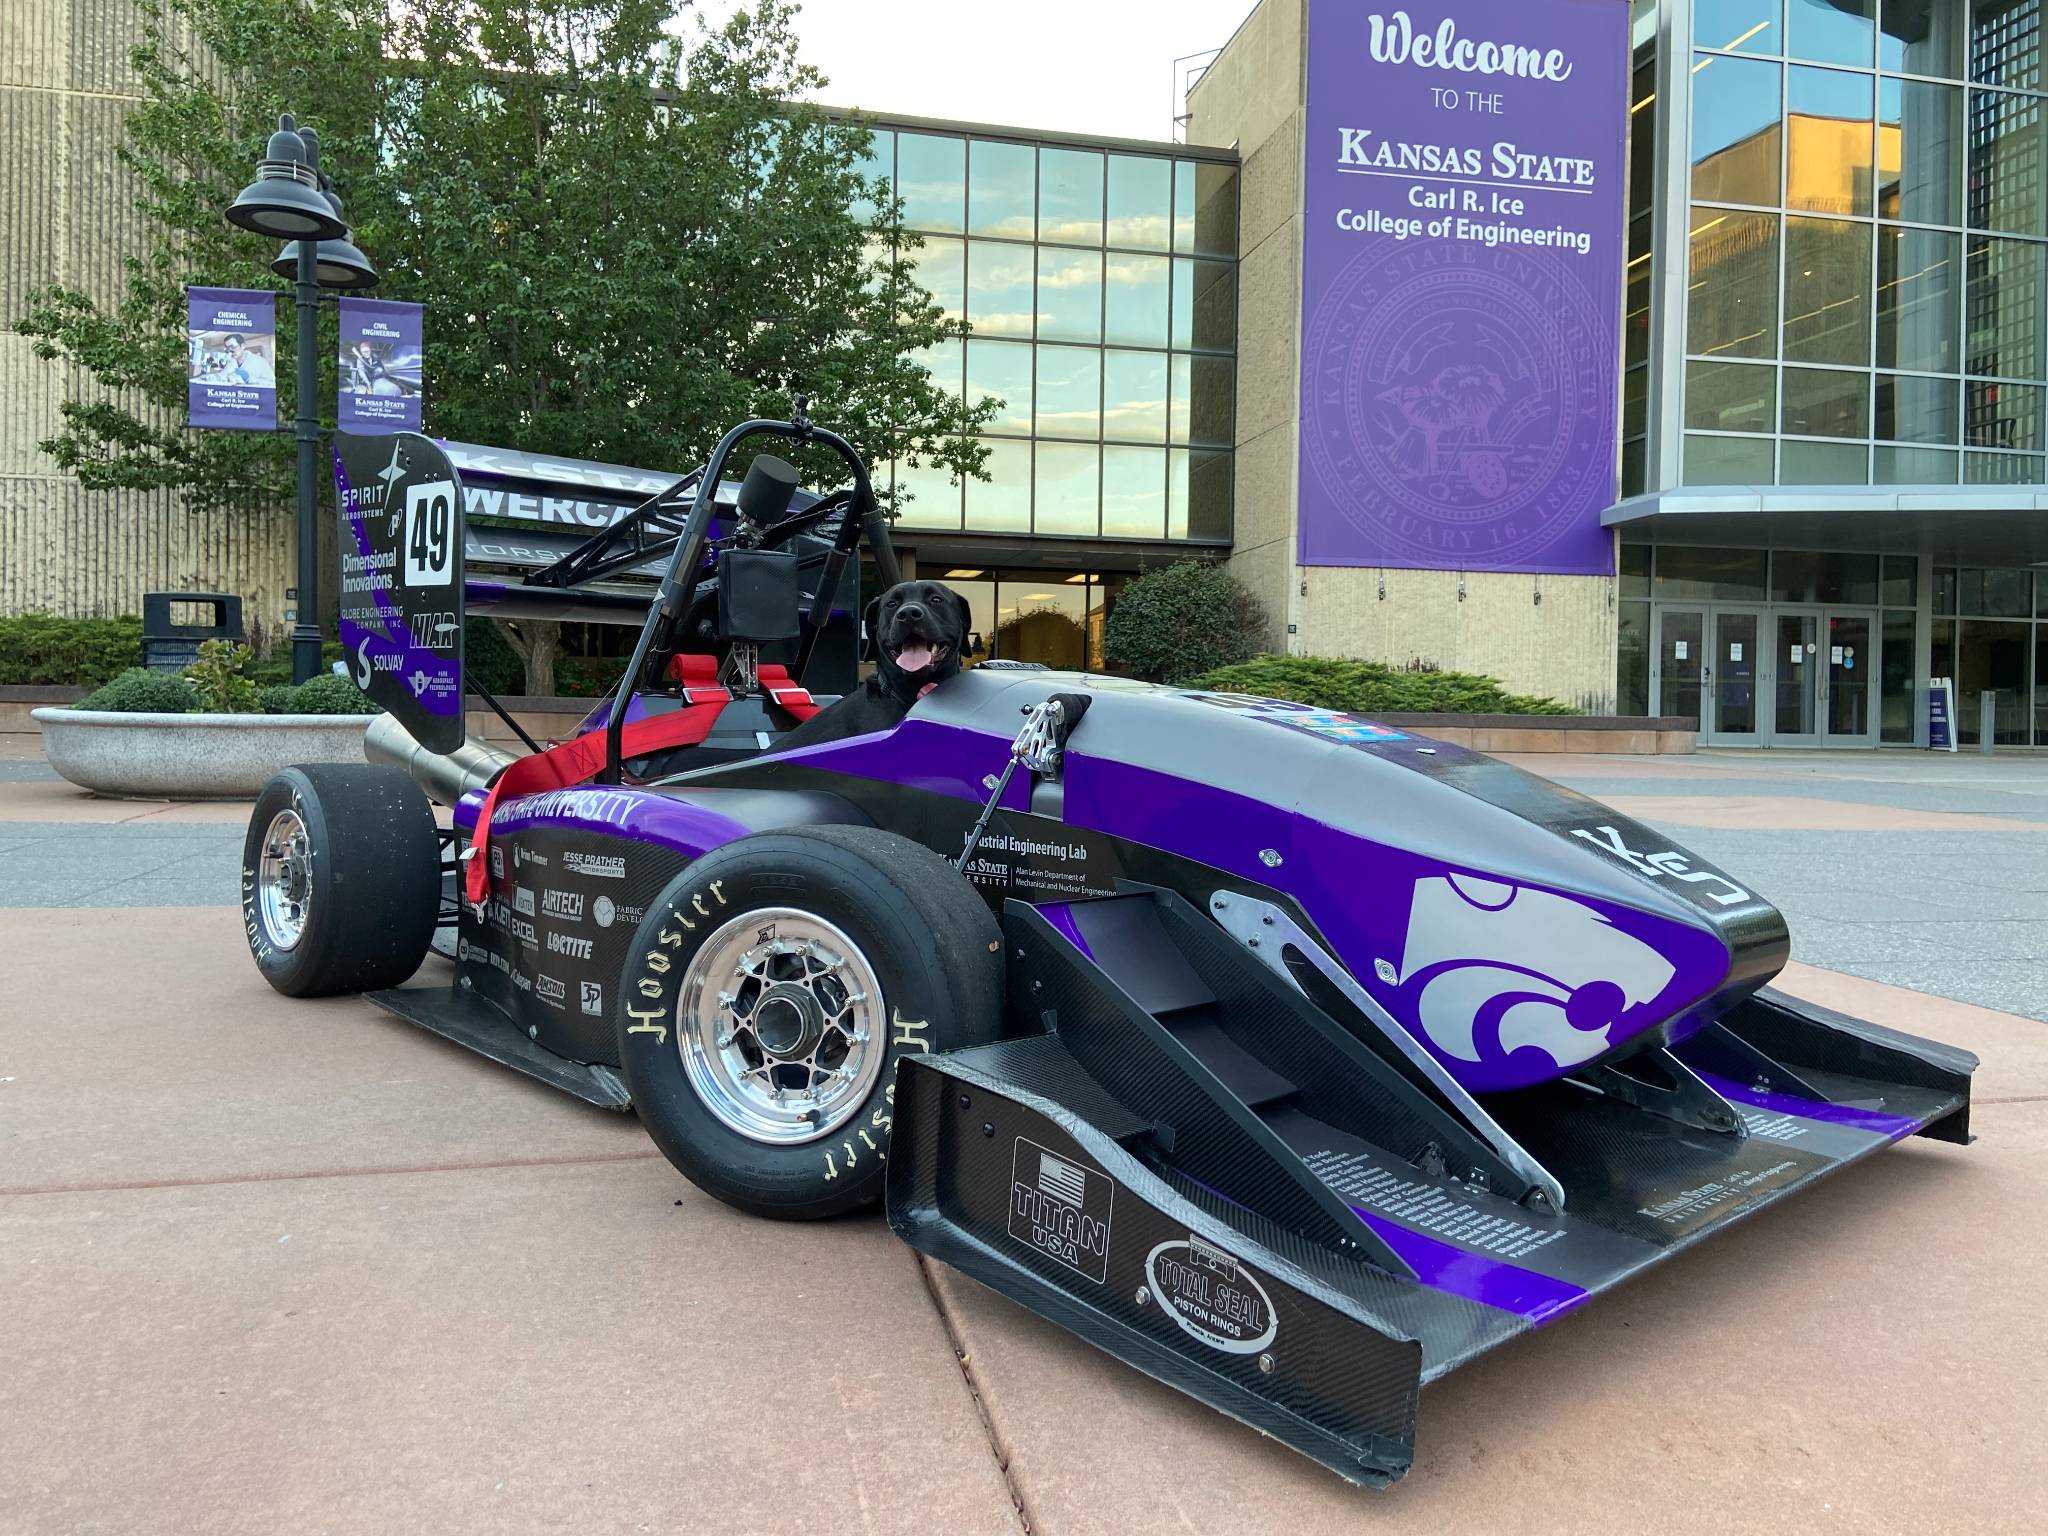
578 760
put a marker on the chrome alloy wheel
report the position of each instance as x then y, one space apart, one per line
779 1021
284 880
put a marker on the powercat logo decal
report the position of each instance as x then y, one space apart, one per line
1211 1297
1061 1207
1670 864
1525 968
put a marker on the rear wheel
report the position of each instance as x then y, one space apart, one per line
341 879
771 991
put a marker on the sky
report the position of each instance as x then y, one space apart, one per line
1079 66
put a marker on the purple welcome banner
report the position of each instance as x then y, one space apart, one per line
1461 283
231 358
381 374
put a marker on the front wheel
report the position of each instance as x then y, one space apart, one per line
769 994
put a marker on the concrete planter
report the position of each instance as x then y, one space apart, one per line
191 757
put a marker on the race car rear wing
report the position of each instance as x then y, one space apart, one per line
432 532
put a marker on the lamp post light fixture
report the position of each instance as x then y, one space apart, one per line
292 199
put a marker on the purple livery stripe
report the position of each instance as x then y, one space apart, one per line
1490 1282
1855 1118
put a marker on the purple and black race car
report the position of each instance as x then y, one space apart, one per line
1292 1059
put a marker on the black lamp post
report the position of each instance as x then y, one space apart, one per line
291 199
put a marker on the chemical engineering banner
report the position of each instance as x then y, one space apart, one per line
1461 283
231 358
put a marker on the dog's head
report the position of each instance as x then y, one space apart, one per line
915 633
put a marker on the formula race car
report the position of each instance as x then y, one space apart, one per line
1292 1059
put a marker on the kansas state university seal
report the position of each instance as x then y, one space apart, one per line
1447 409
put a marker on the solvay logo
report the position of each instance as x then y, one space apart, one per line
1669 863
1394 40
1526 967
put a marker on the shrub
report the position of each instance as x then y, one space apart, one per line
488 658
273 663
588 677
275 698
141 691
220 679
328 694
42 650
1180 621
1373 688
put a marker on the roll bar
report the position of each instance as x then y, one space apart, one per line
863 519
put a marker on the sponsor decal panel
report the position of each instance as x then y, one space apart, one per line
549 990
1061 1207
606 912
567 944
1211 1297
566 906
522 900
601 866
593 998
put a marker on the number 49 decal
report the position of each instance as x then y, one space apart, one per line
429 534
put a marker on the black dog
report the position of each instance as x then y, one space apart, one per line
915 633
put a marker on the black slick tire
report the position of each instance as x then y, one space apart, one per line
927 938
370 879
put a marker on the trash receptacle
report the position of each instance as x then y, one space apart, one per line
168 646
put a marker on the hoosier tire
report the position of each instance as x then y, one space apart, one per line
771 991
341 879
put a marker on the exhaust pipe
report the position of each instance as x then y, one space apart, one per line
446 777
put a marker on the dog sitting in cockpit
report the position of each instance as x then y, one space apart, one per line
915 633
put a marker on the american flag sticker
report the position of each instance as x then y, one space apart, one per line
1061 1180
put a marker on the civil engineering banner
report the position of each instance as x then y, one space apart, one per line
1461 283
381 372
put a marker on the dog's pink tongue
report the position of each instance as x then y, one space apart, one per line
914 657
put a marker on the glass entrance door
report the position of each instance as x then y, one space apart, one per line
1849 679
1734 676
1796 665
1681 641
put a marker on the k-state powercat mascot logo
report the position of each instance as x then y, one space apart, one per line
1525 968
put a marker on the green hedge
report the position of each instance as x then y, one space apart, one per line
1179 621
139 691
41 650
328 694
488 659
1373 688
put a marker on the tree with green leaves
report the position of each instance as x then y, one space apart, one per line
627 230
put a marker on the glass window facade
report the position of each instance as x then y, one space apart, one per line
1100 286
1868 242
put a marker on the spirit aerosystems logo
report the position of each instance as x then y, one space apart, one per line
1061 1207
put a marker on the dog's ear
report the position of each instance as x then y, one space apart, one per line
870 621
965 614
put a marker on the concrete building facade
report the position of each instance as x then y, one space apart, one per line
68 216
